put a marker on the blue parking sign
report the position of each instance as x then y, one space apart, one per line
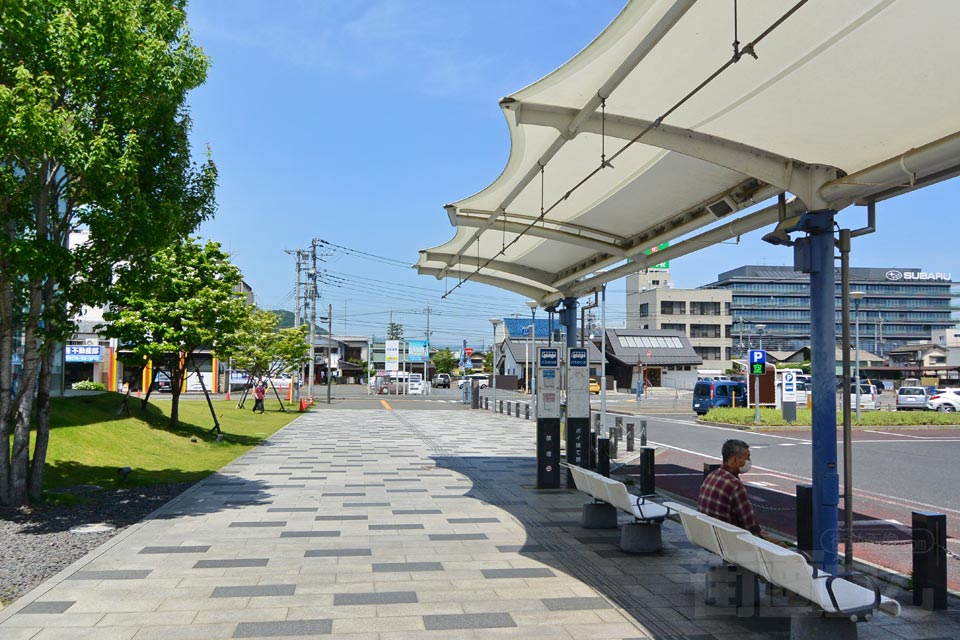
758 361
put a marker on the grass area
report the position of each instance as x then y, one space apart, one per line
774 418
89 442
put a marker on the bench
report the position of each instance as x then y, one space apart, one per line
835 596
640 536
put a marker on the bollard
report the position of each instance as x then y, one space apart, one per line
643 433
526 412
710 467
474 394
500 409
486 404
615 442
929 560
618 422
603 457
805 518
648 481
631 427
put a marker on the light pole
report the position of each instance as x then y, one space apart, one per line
603 362
760 329
533 343
495 322
857 296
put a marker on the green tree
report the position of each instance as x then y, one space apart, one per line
488 361
394 331
444 361
172 305
264 350
93 137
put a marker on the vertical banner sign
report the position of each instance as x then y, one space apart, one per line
392 355
578 409
548 418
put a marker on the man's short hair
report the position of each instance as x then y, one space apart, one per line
733 448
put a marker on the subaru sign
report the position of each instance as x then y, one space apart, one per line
896 275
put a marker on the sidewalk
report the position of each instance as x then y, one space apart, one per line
371 523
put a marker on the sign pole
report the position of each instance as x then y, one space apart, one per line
758 367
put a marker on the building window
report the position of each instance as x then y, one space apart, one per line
708 353
704 331
704 308
674 327
673 308
644 310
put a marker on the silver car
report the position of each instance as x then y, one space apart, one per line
910 398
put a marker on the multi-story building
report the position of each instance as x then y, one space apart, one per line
771 305
702 315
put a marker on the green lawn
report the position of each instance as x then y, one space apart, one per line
89 441
774 418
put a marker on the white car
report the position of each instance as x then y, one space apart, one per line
482 377
947 401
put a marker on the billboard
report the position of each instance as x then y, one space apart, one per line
418 351
392 355
82 353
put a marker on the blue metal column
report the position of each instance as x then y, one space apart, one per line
568 318
814 254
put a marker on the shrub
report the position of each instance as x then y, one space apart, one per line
88 385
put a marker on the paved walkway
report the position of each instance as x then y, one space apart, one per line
382 524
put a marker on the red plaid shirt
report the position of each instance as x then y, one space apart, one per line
724 497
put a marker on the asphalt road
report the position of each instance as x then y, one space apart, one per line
918 468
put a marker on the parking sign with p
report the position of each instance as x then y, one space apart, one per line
758 362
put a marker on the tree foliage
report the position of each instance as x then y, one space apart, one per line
264 350
93 136
173 304
394 331
444 361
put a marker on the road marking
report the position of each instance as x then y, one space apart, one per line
386 405
705 426
901 435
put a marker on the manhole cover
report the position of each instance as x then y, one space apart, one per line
94 527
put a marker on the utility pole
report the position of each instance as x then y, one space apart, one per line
329 333
426 361
312 292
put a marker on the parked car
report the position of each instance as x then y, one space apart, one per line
442 380
869 400
945 400
912 398
482 377
162 383
594 386
708 394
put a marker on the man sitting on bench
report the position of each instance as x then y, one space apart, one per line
722 494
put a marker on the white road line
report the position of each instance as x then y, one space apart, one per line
887 433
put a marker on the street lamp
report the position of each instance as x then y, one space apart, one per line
857 296
603 362
531 371
495 322
760 329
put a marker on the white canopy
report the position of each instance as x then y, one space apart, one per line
842 103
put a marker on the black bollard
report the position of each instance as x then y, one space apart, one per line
631 427
593 450
500 408
805 518
603 457
643 433
929 560
648 481
526 412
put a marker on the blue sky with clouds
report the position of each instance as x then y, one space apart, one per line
355 122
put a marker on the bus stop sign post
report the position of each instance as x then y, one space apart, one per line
758 366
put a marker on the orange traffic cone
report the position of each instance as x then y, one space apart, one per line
303 405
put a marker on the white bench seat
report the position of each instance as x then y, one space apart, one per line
784 568
615 493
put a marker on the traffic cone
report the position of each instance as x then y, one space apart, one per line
303 405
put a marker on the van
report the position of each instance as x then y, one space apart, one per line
708 394
868 397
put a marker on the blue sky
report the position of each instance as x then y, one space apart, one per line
355 122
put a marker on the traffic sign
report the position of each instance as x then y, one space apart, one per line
468 351
789 386
758 362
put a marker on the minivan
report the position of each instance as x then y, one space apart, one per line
708 394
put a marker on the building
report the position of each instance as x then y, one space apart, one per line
702 315
662 357
770 306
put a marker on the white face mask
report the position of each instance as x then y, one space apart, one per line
746 466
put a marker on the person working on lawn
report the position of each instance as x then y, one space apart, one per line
722 494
